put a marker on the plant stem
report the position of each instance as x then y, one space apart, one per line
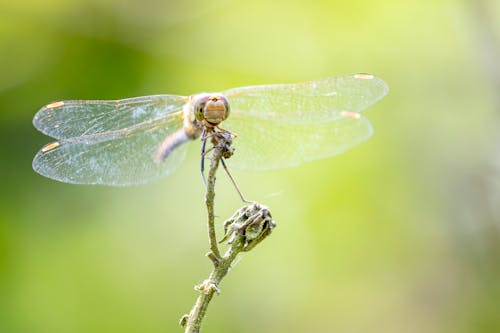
210 286
209 201
245 229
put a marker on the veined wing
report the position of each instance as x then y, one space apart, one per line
116 157
69 119
264 145
309 102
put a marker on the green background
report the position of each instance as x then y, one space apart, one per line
400 234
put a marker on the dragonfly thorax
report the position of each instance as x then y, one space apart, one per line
211 108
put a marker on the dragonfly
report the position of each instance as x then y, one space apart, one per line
138 140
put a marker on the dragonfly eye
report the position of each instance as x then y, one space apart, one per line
228 107
198 111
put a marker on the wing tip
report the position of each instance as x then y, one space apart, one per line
350 114
364 76
50 146
38 117
370 77
54 105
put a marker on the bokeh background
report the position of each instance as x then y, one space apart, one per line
400 234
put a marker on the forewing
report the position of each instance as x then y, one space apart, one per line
69 119
122 157
264 145
309 102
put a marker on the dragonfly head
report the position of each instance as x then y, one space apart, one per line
211 108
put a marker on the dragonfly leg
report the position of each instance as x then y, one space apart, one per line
234 182
203 152
233 134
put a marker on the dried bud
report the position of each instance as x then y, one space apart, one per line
223 140
252 223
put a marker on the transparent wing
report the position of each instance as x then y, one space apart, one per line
69 119
264 145
309 102
121 157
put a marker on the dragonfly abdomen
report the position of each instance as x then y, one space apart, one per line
171 142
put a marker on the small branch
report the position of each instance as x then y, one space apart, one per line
243 231
207 289
214 255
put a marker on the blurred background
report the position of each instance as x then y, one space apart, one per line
400 234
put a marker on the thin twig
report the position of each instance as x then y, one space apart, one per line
244 230
207 289
214 255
